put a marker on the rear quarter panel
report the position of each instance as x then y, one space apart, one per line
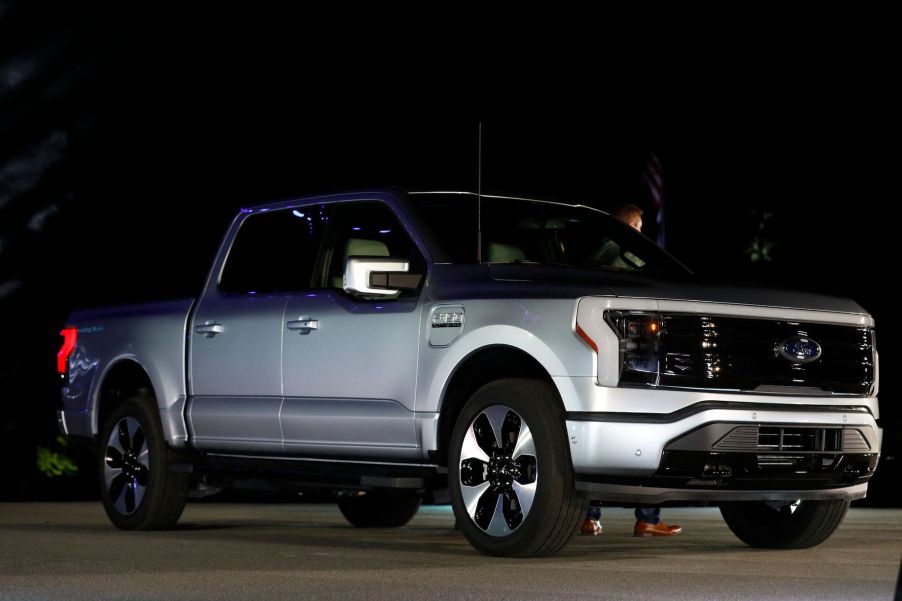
152 335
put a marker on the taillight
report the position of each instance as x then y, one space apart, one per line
62 357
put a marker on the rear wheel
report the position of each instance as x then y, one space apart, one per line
136 487
510 474
379 509
784 525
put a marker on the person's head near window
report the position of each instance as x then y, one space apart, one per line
631 215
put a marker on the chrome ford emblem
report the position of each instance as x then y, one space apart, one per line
799 349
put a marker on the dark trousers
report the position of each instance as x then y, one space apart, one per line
643 514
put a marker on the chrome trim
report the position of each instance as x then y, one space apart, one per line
359 269
61 422
636 448
675 416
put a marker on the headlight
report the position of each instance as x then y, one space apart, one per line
640 345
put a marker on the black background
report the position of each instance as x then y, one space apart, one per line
128 142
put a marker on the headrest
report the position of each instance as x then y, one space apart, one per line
504 253
361 247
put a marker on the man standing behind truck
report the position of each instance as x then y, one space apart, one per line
648 519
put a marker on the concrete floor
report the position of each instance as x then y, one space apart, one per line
233 551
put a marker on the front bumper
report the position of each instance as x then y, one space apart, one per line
652 495
725 451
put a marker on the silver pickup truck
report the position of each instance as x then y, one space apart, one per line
527 355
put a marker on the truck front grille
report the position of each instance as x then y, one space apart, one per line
742 354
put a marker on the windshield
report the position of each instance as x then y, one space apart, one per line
527 232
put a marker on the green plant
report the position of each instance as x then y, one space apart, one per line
54 462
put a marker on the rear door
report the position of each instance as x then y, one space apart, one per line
236 336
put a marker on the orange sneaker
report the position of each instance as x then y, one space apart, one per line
591 527
659 529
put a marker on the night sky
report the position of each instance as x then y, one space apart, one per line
124 153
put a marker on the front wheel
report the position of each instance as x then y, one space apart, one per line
510 475
136 487
784 525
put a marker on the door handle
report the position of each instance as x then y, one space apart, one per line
210 329
304 325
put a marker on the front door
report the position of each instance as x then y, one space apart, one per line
350 362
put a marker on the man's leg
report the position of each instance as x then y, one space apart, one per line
648 523
592 523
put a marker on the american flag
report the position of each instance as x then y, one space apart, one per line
652 176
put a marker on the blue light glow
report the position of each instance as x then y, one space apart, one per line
297 213
384 231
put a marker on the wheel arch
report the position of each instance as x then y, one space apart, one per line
123 379
481 366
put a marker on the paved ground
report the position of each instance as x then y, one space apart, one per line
69 551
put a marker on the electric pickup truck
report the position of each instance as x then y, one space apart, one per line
524 355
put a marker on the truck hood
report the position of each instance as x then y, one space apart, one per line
553 281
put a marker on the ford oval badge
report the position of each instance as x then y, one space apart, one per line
799 349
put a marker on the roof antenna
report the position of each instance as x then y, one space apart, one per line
479 198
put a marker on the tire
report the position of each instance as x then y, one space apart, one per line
514 498
796 525
379 509
136 487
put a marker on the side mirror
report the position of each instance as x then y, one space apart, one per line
378 276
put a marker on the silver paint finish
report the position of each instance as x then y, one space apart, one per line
611 447
426 427
347 428
151 335
369 383
583 394
354 377
236 375
542 328
245 358
173 420
248 423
